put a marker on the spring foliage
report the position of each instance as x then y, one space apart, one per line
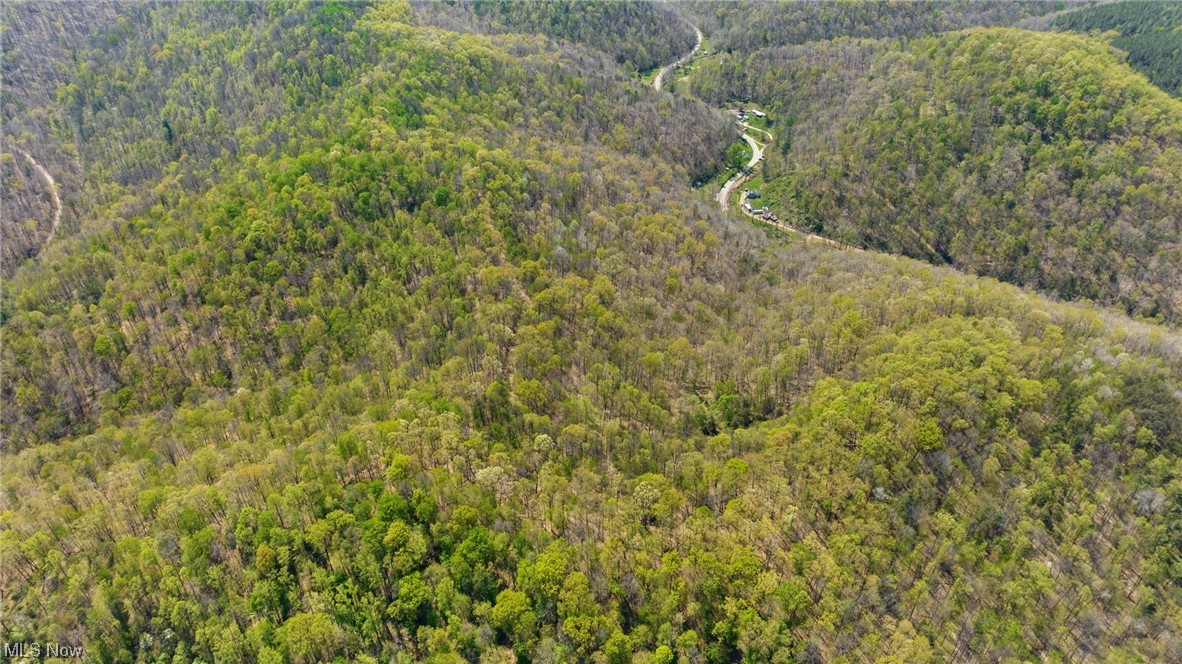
1038 158
442 359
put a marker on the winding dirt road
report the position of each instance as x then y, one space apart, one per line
669 67
57 200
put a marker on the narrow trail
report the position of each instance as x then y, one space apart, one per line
57 200
669 67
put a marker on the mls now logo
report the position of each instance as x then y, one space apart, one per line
22 649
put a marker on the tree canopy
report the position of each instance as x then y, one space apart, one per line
413 342
1038 158
1150 32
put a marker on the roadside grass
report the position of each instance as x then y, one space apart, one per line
722 176
766 199
759 123
776 233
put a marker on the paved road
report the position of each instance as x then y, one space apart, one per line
669 67
724 196
756 150
52 185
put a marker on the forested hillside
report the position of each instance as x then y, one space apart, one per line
178 89
1150 32
1038 158
639 35
37 40
529 93
440 358
745 27
111 95
29 208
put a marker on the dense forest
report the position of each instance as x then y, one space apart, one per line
37 40
1150 32
29 205
1038 158
745 26
180 89
639 35
397 333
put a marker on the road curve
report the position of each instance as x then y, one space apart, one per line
669 67
57 200
742 176
724 195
